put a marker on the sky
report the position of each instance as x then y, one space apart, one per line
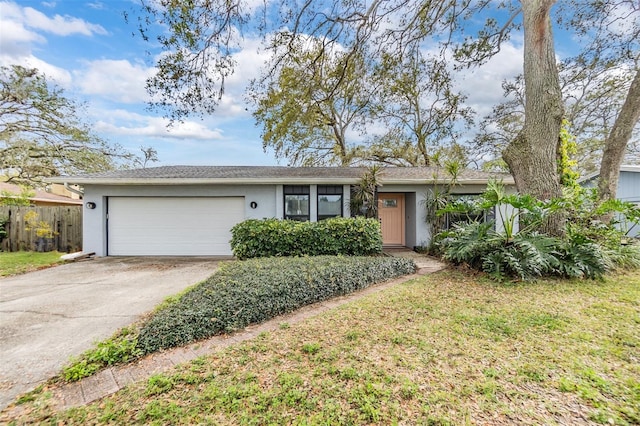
89 50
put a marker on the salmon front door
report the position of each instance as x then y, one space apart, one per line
391 215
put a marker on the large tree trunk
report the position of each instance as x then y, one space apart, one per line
616 142
532 156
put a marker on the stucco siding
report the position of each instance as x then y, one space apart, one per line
94 221
629 187
629 190
268 200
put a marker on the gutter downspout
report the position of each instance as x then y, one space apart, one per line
75 191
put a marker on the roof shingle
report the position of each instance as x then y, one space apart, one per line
269 174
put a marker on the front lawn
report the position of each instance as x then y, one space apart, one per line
25 261
441 349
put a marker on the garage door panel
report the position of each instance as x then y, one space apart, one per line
172 225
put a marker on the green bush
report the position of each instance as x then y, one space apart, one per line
242 293
274 237
525 256
590 249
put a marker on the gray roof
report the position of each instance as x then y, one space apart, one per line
631 168
174 175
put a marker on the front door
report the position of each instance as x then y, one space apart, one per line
391 215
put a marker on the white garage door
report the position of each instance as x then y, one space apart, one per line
172 226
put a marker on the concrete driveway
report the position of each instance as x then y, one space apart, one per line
50 315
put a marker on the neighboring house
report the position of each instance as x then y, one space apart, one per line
628 190
190 210
39 198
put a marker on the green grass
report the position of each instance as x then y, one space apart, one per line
25 261
443 349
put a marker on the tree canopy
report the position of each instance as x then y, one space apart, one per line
202 36
42 135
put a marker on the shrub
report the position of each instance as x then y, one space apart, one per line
590 248
242 293
274 237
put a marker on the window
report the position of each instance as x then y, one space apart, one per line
329 201
388 203
469 211
296 202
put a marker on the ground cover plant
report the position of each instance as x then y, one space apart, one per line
25 261
238 294
338 236
242 293
442 349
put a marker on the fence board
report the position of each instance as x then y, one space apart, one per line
66 221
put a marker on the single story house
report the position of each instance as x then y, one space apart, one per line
628 190
55 197
190 210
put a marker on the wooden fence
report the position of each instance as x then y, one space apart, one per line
65 221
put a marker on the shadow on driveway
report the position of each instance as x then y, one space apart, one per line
50 315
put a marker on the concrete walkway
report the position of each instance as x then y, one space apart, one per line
110 380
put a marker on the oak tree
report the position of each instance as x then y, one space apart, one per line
41 134
201 37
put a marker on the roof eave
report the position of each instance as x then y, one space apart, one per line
199 181
253 181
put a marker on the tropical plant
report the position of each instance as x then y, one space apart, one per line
437 197
511 247
364 194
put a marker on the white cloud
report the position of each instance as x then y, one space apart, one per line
54 74
60 25
98 5
126 123
20 27
14 37
116 80
249 63
483 85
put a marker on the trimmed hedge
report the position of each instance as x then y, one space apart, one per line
275 237
242 293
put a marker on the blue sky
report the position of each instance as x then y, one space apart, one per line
88 49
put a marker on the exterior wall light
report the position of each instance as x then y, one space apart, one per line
90 205
253 205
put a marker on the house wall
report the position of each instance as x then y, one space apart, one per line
417 232
269 199
629 187
629 190
501 211
416 229
94 221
